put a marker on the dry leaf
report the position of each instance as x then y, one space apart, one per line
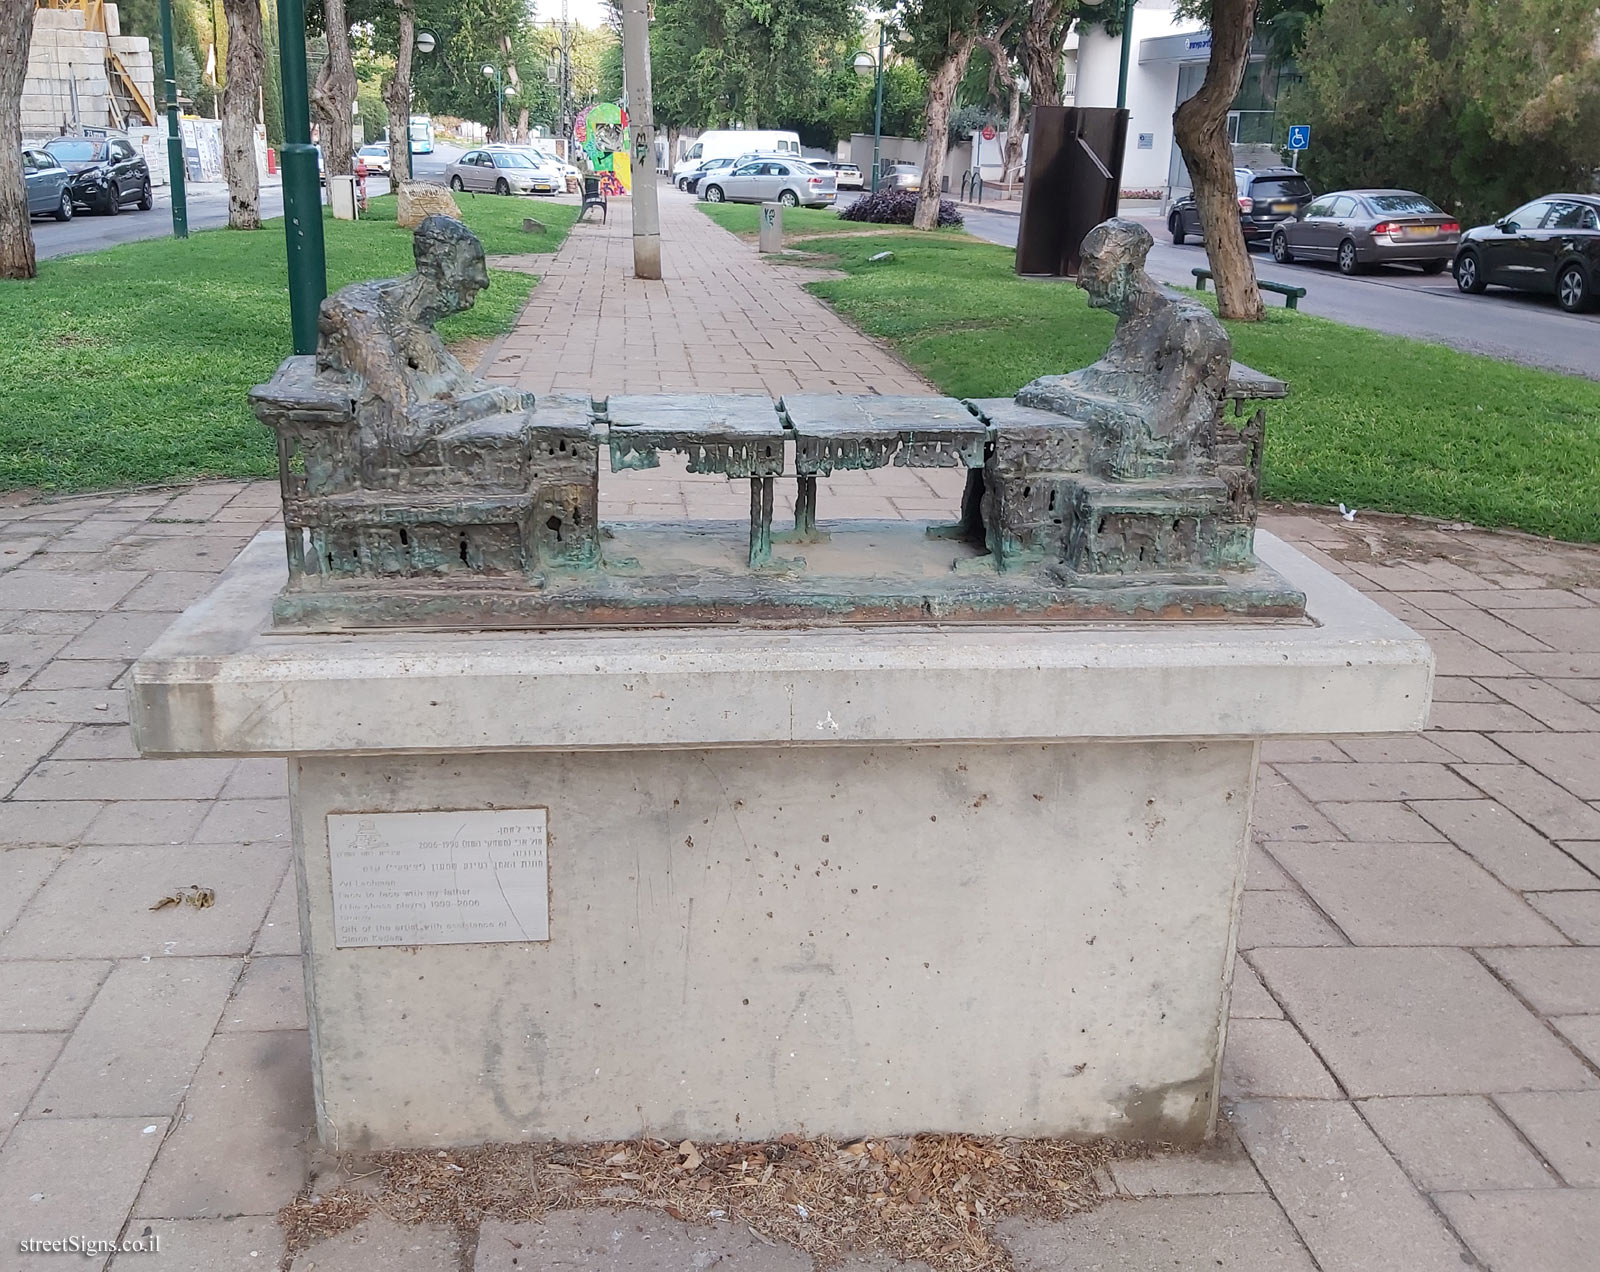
691 1155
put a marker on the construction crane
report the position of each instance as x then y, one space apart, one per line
128 102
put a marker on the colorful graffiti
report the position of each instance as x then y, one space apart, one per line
602 133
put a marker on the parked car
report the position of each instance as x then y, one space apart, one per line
376 157
1357 228
106 172
547 169
690 181
786 181
555 161
845 175
900 175
1551 245
730 143
503 171
49 184
1267 196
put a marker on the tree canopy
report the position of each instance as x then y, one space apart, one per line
759 63
1478 104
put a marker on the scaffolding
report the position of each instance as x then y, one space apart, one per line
127 101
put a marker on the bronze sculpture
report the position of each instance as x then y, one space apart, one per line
416 493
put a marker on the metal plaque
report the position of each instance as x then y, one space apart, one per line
452 878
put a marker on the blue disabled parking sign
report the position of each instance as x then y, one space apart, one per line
1299 136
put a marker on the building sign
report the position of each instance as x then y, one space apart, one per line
1147 141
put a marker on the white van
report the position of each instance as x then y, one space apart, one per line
730 143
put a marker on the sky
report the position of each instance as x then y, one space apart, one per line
592 13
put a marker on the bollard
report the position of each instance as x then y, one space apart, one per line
771 238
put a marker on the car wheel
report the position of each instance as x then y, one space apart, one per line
1434 267
1469 273
1280 249
714 194
502 186
64 208
1175 227
1572 289
1348 263
147 197
113 200
683 184
789 199
457 184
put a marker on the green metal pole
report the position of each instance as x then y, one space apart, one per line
1127 47
877 116
180 202
302 195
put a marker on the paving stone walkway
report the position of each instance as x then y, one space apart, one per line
1413 1065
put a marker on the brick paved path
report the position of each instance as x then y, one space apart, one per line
1412 1071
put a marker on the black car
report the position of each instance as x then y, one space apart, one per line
1551 245
106 172
1266 197
691 183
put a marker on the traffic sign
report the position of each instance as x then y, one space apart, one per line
1299 136
988 132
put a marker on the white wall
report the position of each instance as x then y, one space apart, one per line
1152 90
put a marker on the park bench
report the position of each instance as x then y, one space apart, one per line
593 197
1291 294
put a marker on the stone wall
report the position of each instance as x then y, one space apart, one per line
66 84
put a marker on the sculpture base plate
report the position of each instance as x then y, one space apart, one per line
859 572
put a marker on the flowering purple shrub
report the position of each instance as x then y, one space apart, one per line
893 206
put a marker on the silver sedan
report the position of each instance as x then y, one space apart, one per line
498 171
784 181
1358 228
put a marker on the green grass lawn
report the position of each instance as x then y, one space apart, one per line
1373 420
745 218
131 365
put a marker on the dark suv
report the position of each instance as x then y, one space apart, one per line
1551 245
1266 196
106 172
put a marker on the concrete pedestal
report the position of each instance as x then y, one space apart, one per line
838 882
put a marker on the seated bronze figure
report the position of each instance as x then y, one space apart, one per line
417 494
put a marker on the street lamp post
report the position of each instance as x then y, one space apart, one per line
424 44
863 62
499 104
1127 7
180 204
302 192
1127 47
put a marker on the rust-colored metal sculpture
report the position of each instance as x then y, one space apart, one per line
416 494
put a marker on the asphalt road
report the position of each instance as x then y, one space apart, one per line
208 210
1516 326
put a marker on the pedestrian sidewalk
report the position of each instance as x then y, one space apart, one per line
717 322
1412 1073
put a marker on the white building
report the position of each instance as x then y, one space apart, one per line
1167 66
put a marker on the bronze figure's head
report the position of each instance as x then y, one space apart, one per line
449 258
1113 263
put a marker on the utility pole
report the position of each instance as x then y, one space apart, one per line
641 118
180 203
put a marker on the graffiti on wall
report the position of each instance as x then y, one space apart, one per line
602 133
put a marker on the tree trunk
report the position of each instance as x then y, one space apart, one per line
16 234
335 90
1201 125
1013 155
942 86
1011 161
1042 37
397 97
246 60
